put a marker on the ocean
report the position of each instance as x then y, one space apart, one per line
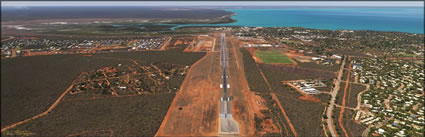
379 19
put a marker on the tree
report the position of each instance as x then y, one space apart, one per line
325 116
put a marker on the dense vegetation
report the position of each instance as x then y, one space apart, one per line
255 80
304 115
124 116
353 129
311 65
281 73
31 84
344 75
351 96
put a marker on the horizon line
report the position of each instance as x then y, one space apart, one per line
213 4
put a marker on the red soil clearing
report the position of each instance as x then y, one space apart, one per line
166 44
178 42
194 110
309 98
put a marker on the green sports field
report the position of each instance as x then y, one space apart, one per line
273 57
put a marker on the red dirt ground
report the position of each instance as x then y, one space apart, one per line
309 98
194 110
166 44
178 42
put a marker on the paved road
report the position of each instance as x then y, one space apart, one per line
331 106
224 62
227 124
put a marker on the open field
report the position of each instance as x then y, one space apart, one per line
273 57
51 75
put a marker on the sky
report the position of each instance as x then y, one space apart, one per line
214 3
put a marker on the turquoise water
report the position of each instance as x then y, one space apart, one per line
379 19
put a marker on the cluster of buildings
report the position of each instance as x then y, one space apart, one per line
261 45
366 118
147 44
121 80
327 60
253 38
395 102
308 86
306 38
20 47
323 41
370 119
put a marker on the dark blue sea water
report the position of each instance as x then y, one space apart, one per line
379 19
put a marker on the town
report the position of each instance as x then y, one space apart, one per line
394 105
35 46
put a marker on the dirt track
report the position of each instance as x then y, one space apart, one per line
341 113
41 114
